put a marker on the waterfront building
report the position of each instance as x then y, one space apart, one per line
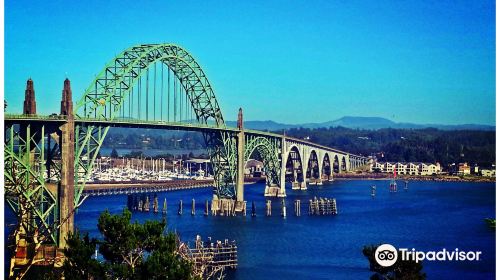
412 168
406 168
463 169
432 169
376 167
488 172
254 168
389 167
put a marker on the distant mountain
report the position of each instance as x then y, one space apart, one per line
263 125
355 122
370 123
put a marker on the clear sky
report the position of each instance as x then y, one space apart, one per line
287 61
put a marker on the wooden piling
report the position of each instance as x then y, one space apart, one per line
268 208
155 204
145 207
297 207
283 208
180 208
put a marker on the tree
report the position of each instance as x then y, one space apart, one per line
125 246
163 263
130 251
79 264
114 153
401 270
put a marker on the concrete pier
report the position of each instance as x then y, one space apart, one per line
66 191
240 180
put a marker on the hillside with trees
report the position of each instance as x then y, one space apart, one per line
387 144
408 145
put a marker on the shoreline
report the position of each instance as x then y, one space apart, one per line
437 178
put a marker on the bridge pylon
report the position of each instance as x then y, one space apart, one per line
66 190
40 183
240 181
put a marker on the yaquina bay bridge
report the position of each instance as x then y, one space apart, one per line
48 159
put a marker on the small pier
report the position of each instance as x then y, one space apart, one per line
210 257
322 206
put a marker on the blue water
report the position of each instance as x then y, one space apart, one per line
429 216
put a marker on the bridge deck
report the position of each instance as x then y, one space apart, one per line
134 123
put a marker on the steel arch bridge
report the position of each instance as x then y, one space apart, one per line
48 159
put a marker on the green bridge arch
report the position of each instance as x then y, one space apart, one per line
108 92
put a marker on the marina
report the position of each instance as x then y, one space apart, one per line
152 169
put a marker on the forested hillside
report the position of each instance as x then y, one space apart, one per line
426 145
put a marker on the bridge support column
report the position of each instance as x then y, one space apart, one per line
295 181
240 181
320 175
283 168
331 171
66 192
303 184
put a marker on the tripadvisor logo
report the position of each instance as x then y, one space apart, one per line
386 255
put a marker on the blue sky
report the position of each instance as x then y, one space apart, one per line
288 61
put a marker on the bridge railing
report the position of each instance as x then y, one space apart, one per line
260 132
153 122
115 121
32 116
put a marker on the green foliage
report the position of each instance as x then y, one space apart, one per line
151 139
130 251
79 264
163 263
408 145
401 270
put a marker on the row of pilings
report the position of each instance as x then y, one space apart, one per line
322 206
145 203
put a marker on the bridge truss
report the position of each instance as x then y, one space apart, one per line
155 82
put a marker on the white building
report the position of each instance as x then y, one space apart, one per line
410 168
488 172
